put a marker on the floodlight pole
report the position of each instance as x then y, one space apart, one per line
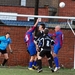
36 13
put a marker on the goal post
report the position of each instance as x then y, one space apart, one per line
38 16
67 20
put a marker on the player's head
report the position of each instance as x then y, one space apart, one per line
41 27
28 28
7 34
46 31
57 28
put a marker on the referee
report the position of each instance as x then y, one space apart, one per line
44 44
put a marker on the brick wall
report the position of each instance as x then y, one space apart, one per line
20 55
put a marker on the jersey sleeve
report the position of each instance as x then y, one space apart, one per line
1 38
52 41
9 41
52 35
32 29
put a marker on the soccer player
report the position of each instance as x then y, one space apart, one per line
40 33
57 46
44 44
5 42
31 47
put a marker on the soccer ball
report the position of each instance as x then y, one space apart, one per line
61 4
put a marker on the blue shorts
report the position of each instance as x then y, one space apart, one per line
32 50
56 48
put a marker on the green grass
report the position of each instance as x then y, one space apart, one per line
24 71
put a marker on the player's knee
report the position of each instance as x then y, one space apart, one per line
0 54
39 57
6 58
54 55
32 58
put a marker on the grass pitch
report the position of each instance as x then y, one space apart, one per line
25 71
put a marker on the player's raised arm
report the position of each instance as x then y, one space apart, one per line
38 20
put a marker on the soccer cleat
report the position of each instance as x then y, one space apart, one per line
49 67
39 70
52 69
2 65
31 69
35 67
56 69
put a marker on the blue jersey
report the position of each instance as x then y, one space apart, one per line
58 37
58 41
4 42
29 38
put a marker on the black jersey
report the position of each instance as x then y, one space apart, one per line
39 33
45 42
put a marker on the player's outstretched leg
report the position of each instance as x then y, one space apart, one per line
56 63
35 63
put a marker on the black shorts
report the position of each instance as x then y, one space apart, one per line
3 51
45 53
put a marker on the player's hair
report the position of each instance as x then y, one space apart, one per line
46 31
7 33
43 26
